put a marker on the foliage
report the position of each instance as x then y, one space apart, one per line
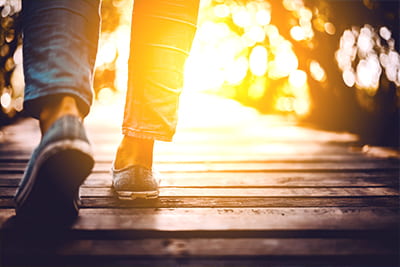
310 68
334 64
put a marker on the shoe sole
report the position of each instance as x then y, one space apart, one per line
52 190
131 195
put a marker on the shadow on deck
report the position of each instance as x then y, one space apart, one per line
239 189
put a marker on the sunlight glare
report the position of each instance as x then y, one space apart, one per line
237 70
107 50
330 28
368 74
364 41
349 77
292 5
257 34
106 96
5 100
224 56
258 60
297 33
284 63
241 17
298 78
301 106
391 63
257 88
263 17
221 11
317 72
385 33
285 104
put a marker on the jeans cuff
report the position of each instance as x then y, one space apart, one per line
33 105
146 134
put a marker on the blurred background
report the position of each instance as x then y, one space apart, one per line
329 64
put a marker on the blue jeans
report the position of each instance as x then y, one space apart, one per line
60 46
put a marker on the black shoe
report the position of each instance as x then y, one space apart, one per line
49 190
135 182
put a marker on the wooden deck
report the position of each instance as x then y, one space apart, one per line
239 189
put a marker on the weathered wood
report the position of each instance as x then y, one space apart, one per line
244 166
258 192
250 196
242 192
248 179
207 247
23 157
238 219
232 202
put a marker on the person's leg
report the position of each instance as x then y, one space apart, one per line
59 45
162 34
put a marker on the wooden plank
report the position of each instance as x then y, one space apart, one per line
22 156
210 152
244 166
213 247
242 192
237 219
256 192
248 179
214 136
254 180
231 202
281 160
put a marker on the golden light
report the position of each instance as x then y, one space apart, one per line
5 100
200 75
257 34
106 96
236 71
364 49
297 33
349 77
284 63
107 50
273 33
391 63
304 30
222 11
212 31
248 40
305 14
122 36
317 72
213 58
292 5
319 23
298 78
241 17
257 88
222 57
302 106
385 33
364 42
329 28
368 74
258 60
285 104
263 17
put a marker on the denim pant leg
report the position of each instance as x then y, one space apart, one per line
161 37
59 46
